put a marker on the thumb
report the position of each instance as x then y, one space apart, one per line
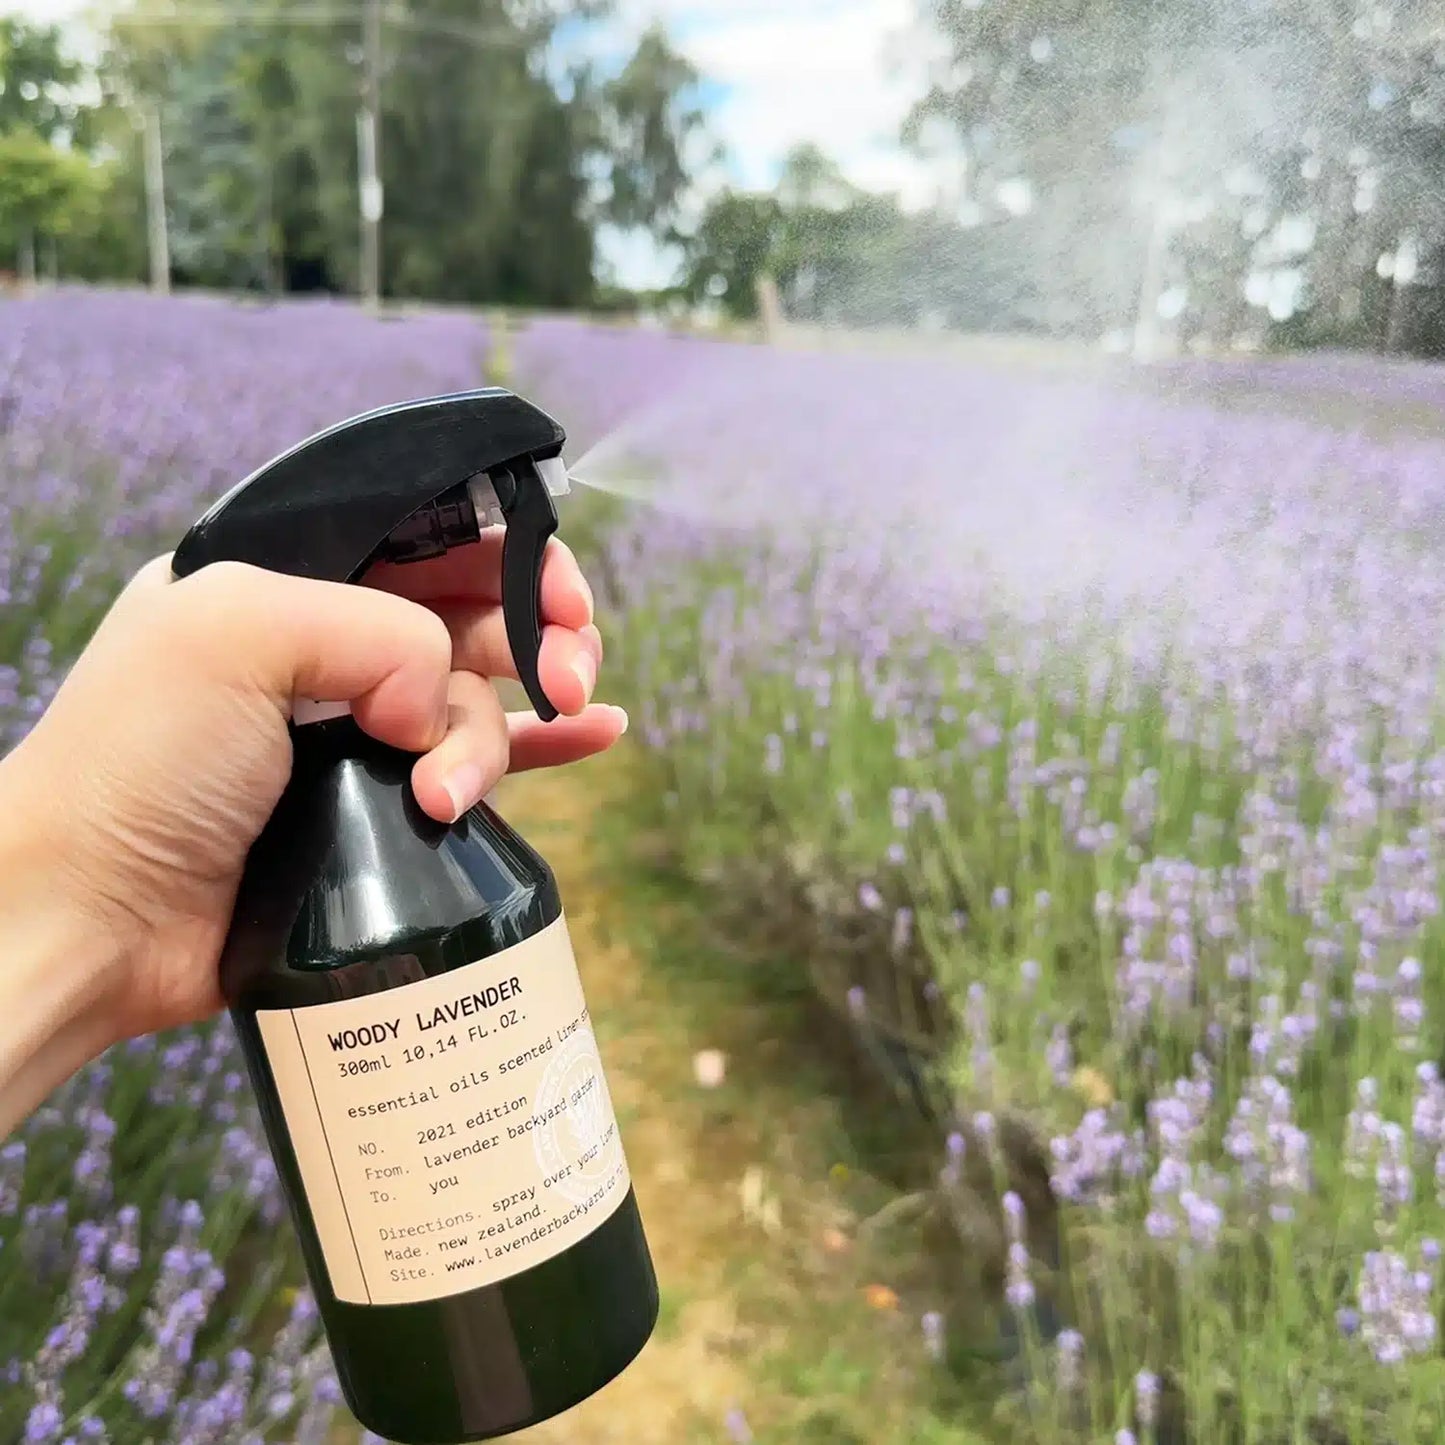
297 638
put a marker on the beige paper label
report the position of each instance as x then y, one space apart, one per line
452 1132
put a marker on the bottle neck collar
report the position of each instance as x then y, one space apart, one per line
304 711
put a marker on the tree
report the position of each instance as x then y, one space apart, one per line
648 121
45 193
843 256
731 247
495 174
37 82
1247 164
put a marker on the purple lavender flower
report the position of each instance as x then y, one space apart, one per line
1088 1164
1408 1004
12 1172
956 1147
1271 1151
1146 1396
1393 1176
1396 1307
772 754
180 1303
1363 1127
1059 1055
736 1424
1428 1116
280 1376
322 1394
902 931
1013 1213
976 1020
44 1424
213 1416
933 1334
1071 1355
1018 1287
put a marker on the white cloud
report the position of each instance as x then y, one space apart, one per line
834 72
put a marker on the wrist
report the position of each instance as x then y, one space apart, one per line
60 964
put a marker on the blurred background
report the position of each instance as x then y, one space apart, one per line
1014 449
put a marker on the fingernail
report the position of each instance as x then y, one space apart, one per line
464 787
585 666
591 600
622 713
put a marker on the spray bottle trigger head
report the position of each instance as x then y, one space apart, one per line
525 501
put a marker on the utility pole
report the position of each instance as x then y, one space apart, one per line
368 125
1151 287
158 240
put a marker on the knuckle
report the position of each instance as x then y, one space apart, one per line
433 644
496 747
485 727
207 600
219 586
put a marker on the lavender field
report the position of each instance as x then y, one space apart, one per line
143 1295
1090 745
1083 746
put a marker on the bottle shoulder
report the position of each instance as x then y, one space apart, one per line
352 888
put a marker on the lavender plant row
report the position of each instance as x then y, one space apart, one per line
1114 726
143 1295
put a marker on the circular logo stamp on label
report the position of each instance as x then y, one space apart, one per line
577 1147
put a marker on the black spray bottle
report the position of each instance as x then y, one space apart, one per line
405 991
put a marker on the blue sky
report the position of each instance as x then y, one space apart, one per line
841 73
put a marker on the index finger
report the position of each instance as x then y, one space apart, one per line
474 573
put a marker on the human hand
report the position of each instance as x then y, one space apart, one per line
128 811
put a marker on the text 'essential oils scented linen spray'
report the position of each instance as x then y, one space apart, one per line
405 991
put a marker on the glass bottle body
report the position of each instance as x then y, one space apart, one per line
351 892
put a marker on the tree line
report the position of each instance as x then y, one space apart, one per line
1158 173
1152 173
496 167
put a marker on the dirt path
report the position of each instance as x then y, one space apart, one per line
767 1303
689 1375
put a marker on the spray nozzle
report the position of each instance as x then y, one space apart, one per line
403 484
